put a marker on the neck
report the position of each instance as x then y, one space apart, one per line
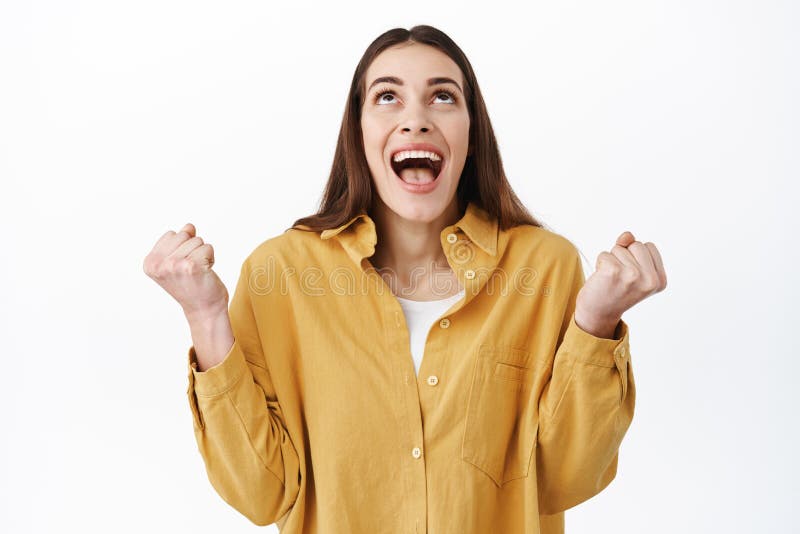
410 251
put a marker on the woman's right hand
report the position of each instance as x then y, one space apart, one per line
181 264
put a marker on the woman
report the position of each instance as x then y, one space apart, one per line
312 403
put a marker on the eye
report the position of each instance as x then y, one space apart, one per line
447 93
380 100
379 97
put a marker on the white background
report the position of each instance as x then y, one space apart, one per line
677 120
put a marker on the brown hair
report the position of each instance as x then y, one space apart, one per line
483 181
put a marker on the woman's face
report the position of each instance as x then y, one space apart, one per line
423 103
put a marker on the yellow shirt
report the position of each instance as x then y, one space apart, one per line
317 420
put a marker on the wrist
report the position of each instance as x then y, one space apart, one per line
206 316
601 327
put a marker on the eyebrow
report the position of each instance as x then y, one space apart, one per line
431 81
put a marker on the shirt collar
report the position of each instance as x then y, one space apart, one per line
480 227
330 232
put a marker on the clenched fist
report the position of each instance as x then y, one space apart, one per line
631 272
181 264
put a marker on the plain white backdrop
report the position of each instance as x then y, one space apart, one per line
676 120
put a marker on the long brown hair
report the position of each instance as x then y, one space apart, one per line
483 181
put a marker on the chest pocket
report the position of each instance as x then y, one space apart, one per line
501 422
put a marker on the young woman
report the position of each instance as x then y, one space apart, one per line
421 355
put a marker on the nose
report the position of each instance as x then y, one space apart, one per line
416 118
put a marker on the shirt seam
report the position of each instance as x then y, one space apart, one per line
250 439
233 384
552 416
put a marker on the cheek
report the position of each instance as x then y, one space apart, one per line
371 149
375 136
458 130
372 132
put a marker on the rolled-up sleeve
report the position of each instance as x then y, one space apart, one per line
584 411
238 424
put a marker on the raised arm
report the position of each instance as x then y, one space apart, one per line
584 411
587 405
239 425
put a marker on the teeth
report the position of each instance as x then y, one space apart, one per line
400 156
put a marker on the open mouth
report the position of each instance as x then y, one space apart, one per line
418 171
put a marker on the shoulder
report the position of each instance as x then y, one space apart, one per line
553 258
535 242
293 247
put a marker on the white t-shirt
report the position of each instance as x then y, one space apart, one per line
420 315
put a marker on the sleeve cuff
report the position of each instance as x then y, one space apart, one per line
588 348
220 378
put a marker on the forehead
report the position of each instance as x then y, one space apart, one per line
413 63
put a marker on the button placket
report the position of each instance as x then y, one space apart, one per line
622 367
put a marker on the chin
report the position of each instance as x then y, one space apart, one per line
414 206
420 210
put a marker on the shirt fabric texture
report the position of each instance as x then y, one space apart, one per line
420 315
317 419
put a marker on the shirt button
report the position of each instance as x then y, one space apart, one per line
415 452
470 274
433 380
452 238
444 323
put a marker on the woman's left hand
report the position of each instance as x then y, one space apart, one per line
630 273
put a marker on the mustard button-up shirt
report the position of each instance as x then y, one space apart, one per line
317 420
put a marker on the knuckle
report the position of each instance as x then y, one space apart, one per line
158 273
151 270
168 266
189 266
653 284
629 274
614 269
